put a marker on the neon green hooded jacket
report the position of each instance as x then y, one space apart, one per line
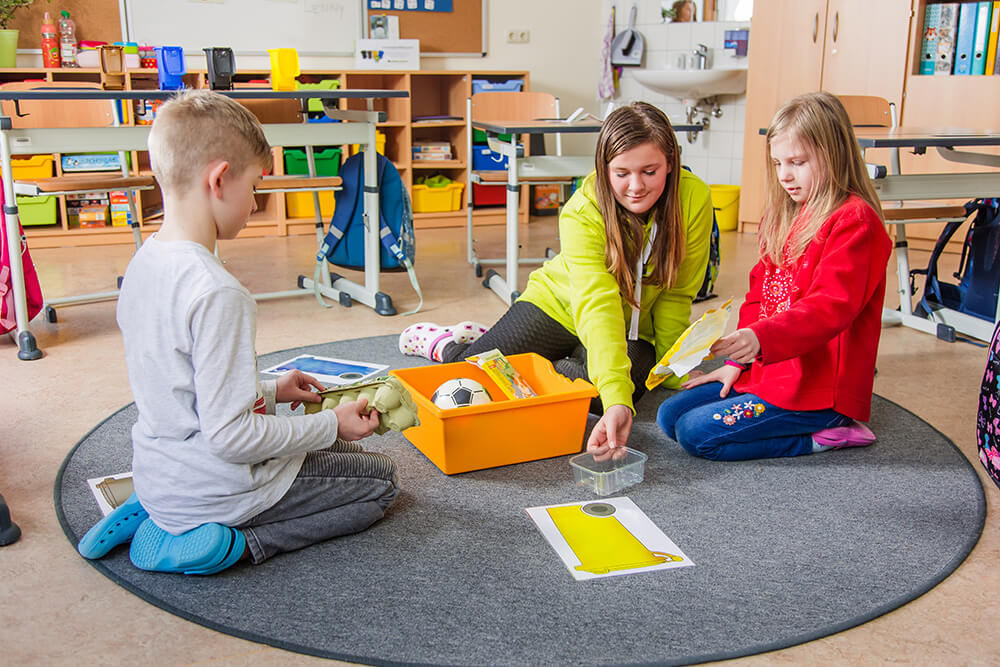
576 289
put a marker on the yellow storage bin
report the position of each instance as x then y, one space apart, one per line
35 166
726 202
437 200
505 431
37 210
301 205
284 68
379 144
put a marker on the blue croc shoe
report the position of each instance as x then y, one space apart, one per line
207 549
116 528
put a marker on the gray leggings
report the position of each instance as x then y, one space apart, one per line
527 328
338 491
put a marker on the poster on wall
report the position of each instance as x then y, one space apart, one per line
398 54
411 5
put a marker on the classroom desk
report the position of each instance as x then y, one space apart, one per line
360 130
948 142
527 170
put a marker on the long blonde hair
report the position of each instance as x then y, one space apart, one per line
625 128
819 121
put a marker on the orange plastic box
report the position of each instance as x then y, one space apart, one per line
502 432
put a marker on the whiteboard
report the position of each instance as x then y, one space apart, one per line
312 27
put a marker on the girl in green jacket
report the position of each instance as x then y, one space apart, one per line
584 309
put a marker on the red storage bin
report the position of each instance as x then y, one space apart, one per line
488 195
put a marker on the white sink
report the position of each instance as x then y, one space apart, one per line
693 84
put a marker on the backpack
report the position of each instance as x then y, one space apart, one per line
978 268
712 270
344 244
988 417
33 291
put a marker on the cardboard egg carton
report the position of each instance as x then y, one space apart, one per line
396 408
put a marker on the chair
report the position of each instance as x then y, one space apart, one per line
74 113
873 111
507 106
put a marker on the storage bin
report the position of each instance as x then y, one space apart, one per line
37 210
35 166
91 162
284 68
352 149
327 161
170 67
488 195
484 159
437 200
301 205
324 84
485 85
502 432
611 476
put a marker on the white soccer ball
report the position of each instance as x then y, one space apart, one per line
460 392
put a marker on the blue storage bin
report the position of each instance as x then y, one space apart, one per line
484 85
170 67
483 159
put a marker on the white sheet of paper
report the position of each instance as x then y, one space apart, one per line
630 516
102 502
329 371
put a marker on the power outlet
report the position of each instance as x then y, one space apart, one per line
518 36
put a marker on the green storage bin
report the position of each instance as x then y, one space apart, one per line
325 84
37 210
479 137
327 161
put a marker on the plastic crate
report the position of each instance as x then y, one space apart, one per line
92 162
488 195
502 432
484 159
36 166
327 161
437 200
353 149
324 84
301 205
485 85
37 210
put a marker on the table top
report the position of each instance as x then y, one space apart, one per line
552 126
69 93
916 137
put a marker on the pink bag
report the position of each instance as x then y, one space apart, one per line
33 290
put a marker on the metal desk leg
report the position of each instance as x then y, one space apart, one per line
27 348
506 289
904 315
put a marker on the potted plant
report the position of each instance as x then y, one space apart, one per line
8 37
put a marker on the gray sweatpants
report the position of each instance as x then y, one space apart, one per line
338 491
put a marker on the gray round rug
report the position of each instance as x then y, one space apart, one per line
785 551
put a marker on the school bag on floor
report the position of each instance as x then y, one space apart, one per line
344 244
712 270
988 417
32 289
978 268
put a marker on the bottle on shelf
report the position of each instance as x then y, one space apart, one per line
50 42
67 40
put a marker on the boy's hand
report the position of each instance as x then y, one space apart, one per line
610 434
741 345
296 387
355 420
727 375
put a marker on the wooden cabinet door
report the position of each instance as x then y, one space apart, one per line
786 59
865 48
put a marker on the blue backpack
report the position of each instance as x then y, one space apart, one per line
344 244
978 269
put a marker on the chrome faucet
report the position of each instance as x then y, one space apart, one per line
701 57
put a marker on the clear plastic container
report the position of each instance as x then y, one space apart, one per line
611 476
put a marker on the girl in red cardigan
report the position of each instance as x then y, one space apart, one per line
802 360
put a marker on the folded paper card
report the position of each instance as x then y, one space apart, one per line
692 347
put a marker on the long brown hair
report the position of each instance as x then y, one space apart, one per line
625 128
819 121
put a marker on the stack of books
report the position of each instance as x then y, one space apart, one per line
431 151
960 38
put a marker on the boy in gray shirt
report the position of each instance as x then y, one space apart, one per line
218 476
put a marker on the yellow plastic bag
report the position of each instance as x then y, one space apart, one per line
691 348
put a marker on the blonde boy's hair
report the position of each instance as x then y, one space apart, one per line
821 123
197 127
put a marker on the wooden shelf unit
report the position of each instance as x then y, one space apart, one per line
432 93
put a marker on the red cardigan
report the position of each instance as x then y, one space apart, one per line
820 352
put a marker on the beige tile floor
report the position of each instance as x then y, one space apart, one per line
57 610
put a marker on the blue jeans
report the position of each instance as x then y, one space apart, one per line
740 426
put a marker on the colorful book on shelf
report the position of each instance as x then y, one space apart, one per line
979 42
991 39
929 44
946 32
965 37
